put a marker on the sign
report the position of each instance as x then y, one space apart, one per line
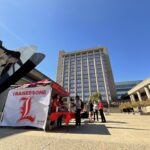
27 107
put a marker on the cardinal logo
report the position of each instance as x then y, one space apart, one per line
25 110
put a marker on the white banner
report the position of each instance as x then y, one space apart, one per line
27 107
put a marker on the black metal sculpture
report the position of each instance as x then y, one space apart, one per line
7 58
16 64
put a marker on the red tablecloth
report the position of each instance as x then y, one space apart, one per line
66 115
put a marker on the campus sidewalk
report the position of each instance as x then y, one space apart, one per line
121 132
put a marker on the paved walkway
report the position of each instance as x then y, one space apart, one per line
121 132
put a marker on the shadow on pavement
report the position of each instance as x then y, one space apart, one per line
83 129
4 132
9 131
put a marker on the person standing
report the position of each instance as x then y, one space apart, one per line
60 105
78 110
101 107
54 103
90 110
95 109
53 108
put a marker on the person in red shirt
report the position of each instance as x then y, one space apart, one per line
101 107
54 103
53 107
60 105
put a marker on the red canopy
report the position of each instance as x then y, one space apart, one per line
60 89
55 86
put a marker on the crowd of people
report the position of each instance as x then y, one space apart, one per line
57 105
94 109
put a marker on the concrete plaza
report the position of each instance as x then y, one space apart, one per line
121 132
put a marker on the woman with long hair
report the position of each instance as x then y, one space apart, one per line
90 110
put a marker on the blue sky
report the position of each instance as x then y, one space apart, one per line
123 26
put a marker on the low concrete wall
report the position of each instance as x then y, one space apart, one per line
143 109
115 110
148 109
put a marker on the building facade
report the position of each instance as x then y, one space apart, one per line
141 92
122 88
85 72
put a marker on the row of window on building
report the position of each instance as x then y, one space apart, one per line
86 54
84 62
85 81
86 97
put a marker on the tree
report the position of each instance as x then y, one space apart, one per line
95 97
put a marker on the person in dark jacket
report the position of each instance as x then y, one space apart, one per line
79 105
90 110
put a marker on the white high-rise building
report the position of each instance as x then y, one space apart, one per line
86 72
